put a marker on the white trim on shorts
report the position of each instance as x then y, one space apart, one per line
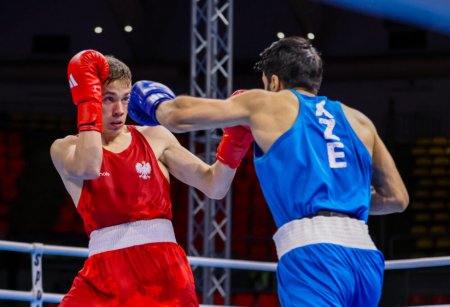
131 234
345 231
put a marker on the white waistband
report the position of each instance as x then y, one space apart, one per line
131 234
343 231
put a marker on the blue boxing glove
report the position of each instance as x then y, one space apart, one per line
138 115
145 98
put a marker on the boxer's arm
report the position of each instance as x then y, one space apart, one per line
186 113
390 194
213 180
81 157
78 157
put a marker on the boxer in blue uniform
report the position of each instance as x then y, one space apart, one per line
322 167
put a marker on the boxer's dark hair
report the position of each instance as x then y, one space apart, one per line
295 61
118 70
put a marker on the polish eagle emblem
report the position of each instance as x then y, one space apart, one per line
143 169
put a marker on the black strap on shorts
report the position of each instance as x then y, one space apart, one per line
329 213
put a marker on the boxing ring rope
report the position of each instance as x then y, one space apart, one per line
37 296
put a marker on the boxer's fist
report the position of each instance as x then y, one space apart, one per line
145 98
235 142
234 145
87 70
237 92
138 115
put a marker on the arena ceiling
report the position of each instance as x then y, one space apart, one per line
38 38
52 29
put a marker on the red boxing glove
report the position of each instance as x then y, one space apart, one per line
237 92
87 71
234 145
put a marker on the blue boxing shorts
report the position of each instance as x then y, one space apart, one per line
328 261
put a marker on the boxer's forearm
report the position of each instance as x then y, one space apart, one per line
381 205
88 155
185 113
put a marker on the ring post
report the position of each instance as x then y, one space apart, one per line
36 264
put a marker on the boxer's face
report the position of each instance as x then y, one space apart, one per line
115 97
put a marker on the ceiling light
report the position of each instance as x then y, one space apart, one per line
280 35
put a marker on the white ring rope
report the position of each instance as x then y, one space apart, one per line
219 263
194 261
34 248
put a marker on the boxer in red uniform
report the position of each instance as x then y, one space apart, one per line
118 177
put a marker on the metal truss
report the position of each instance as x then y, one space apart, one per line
209 225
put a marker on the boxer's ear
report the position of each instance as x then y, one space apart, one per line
275 84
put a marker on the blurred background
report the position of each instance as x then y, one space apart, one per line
395 70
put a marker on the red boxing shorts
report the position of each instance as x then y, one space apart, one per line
154 274
153 271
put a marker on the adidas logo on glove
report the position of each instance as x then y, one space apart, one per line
72 82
